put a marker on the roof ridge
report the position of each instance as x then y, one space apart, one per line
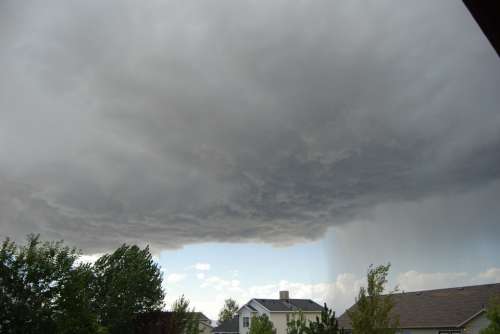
282 299
442 289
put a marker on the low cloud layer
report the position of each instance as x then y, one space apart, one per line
174 122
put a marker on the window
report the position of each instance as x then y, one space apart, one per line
450 332
246 322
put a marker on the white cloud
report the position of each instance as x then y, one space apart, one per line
200 275
202 266
413 280
175 277
88 258
491 275
218 283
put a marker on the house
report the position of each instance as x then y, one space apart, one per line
230 326
279 311
444 311
160 322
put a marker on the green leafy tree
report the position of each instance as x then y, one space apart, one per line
327 324
372 313
324 324
193 325
78 317
184 320
127 282
297 324
493 315
42 290
261 325
228 310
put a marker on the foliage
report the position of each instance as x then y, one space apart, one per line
78 317
325 324
297 324
43 290
127 282
184 319
493 315
261 325
328 324
229 310
372 314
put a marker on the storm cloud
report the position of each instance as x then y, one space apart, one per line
178 122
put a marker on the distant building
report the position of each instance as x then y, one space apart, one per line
279 311
443 311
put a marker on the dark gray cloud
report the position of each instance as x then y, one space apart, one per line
174 122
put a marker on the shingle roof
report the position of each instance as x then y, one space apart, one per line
203 317
292 305
250 307
228 326
438 308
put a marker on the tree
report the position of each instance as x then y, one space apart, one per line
78 317
261 325
297 324
493 315
43 290
372 313
127 282
228 310
328 324
184 320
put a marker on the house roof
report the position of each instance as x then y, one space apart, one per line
163 320
290 305
228 326
203 317
439 308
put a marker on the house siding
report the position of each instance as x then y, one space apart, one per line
244 313
205 328
420 331
279 319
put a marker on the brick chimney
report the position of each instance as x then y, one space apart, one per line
284 295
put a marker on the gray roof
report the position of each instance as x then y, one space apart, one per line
228 326
290 305
251 307
438 308
203 317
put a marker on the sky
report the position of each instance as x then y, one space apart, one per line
256 145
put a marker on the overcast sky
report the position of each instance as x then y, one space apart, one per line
365 131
